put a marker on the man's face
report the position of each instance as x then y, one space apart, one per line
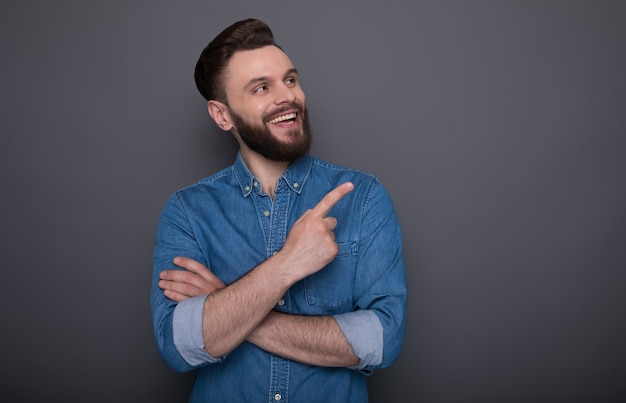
266 104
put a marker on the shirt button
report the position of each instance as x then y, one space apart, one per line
255 184
247 188
295 185
277 396
266 213
281 302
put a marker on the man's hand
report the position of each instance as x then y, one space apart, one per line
196 280
310 244
232 313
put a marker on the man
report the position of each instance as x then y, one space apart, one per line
281 277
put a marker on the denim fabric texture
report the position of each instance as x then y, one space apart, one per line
229 224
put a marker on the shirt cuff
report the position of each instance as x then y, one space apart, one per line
187 329
364 332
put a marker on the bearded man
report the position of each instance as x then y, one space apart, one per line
281 277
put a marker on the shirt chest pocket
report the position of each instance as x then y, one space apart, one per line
331 287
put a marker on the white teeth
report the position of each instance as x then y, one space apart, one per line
283 118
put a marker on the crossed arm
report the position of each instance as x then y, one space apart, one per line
243 310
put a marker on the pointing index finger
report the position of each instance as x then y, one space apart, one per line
323 207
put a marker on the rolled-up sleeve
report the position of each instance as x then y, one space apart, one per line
187 329
364 333
377 328
177 326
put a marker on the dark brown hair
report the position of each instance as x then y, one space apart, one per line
243 35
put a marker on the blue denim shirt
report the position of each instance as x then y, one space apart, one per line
229 224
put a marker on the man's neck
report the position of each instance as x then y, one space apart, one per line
267 171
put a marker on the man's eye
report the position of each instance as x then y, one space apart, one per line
261 88
290 81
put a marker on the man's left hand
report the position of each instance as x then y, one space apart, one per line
196 280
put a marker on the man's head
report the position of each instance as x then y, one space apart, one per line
211 66
252 89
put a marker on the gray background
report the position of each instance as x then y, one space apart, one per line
497 127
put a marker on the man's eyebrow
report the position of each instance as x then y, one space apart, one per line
255 81
291 71
261 79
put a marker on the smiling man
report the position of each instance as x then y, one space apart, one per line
281 277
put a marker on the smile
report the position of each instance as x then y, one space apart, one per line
282 118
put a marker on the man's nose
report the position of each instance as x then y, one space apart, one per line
284 94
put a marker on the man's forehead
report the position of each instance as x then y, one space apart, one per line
266 61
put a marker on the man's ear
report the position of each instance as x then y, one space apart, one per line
219 113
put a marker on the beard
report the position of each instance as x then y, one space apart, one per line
260 139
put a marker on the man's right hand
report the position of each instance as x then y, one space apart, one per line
310 245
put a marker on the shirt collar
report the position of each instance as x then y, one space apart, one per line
295 176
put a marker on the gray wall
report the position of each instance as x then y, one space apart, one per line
497 126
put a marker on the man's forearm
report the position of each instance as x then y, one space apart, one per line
314 340
231 313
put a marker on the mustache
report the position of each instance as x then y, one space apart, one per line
285 108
